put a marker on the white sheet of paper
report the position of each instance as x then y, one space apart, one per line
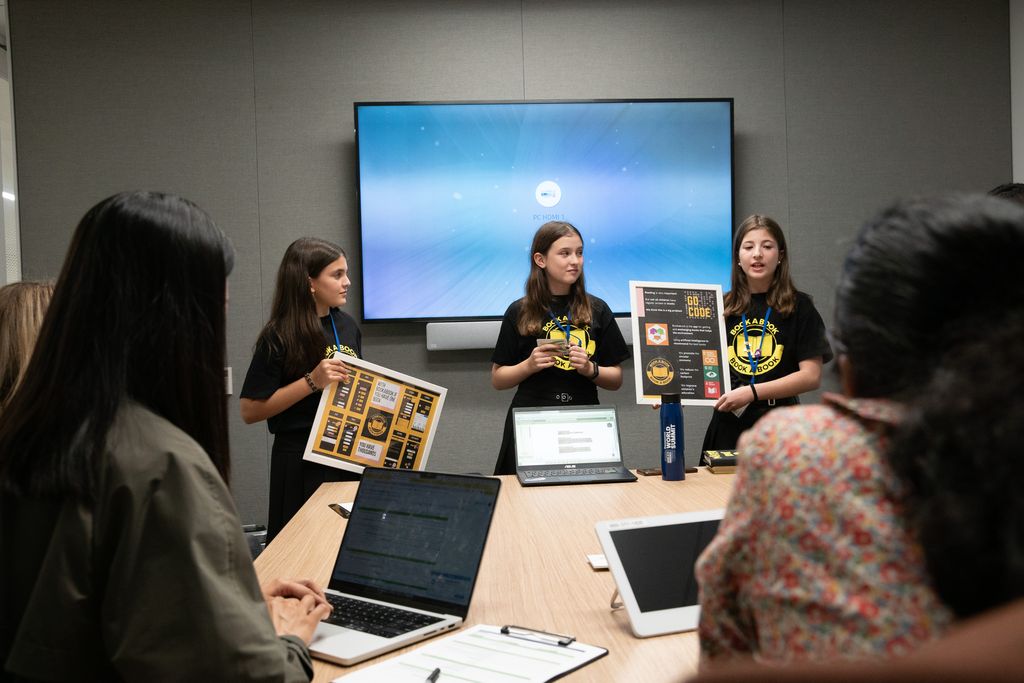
480 653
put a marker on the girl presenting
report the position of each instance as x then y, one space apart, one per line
292 362
776 338
557 344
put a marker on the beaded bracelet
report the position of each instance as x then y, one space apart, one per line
312 386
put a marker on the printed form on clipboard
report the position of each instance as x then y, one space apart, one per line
485 654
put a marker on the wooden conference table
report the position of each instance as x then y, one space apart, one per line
534 570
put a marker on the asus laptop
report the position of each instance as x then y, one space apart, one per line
568 445
407 563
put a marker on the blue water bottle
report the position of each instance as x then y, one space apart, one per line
672 465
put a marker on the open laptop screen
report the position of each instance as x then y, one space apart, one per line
566 435
419 535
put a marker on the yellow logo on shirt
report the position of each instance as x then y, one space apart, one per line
333 349
577 337
765 350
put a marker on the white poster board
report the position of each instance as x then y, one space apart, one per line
679 342
379 418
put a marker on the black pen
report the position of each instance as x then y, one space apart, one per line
434 675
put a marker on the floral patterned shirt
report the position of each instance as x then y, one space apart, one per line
813 559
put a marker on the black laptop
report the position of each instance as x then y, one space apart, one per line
568 445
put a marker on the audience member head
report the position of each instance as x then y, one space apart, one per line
923 277
22 307
959 456
1013 192
138 313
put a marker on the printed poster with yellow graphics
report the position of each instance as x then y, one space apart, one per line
678 342
379 418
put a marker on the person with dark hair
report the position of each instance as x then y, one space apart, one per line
556 308
22 307
293 361
959 471
121 553
814 559
957 455
1013 192
776 338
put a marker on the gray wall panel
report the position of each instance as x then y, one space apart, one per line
113 96
247 108
887 100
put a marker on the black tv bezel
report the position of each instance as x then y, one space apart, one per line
483 318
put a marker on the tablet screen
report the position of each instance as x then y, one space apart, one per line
659 561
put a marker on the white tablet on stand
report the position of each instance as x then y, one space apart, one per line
652 561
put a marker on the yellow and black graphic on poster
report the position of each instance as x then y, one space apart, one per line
379 418
678 342
660 372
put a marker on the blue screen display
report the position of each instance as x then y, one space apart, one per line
451 194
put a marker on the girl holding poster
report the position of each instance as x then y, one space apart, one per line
557 344
775 336
292 363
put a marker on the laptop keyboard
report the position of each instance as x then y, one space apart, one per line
369 617
574 472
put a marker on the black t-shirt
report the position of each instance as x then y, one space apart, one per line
601 338
266 373
785 342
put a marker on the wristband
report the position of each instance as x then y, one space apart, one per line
312 385
597 371
754 391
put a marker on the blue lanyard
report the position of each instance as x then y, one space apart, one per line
751 356
337 342
568 319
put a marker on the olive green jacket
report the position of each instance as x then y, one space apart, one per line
153 582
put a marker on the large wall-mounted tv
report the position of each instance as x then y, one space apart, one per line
450 194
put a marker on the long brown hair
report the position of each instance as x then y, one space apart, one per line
537 301
294 328
22 307
781 291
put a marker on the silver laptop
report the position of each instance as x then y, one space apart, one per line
408 561
568 445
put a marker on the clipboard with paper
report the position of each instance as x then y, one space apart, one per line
486 653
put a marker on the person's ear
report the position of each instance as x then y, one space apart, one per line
846 379
538 258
